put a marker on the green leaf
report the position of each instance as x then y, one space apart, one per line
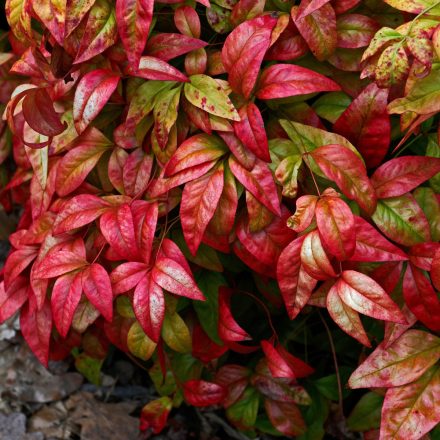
401 219
89 367
139 343
165 113
433 150
430 205
243 413
176 334
366 413
206 93
287 174
331 105
207 311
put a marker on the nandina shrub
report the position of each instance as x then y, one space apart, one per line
222 190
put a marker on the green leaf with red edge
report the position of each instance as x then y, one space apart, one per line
366 123
100 31
201 393
244 50
319 30
53 15
133 18
39 113
36 327
412 410
165 114
314 258
18 15
295 283
139 343
75 12
196 150
206 93
427 200
403 362
284 80
91 95
366 296
97 287
414 6
285 417
259 182
421 298
423 98
75 166
306 7
12 299
168 46
65 298
154 414
355 30
335 223
199 202
345 168
187 21
346 318
250 130
402 174
373 246
149 306
402 220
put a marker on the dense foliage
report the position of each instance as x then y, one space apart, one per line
222 190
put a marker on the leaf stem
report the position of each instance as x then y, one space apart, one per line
335 360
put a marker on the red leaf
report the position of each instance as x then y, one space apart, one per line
295 283
420 297
154 414
244 50
435 270
79 211
36 326
345 168
259 182
199 202
346 318
168 46
363 294
304 214
200 393
149 306
145 220
373 246
117 226
366 124
422 255
314 258
134 19
169 249
13 298
228 328
127 275
65 298
284 80
402 174
336 227
17 262
39 113
98 289
91 95
58 262
235 379
285 417
171 276
136 173
157 69
250 130
204 348
306 7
